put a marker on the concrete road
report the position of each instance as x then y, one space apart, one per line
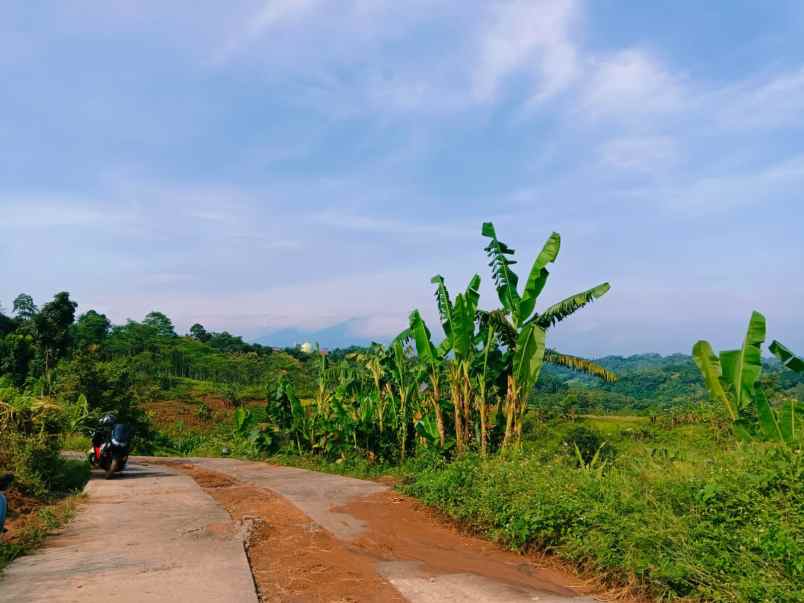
153 534
148 535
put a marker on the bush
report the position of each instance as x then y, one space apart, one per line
39 469
589 443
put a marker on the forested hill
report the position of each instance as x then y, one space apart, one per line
648 381
50 350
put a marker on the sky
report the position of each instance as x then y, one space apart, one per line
299 168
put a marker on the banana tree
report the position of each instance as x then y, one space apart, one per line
458 322
732 379
524 331
402 392
432 359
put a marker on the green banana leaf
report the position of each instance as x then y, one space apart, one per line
709 365
472 295
529 356
582 365
421 338
504 330
505 279
538 276
558 312
741 368
463 327
787 357
767 418
788 421
444 303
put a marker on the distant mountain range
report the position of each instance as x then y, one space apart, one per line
341 335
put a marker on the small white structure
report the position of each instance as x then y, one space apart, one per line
307 347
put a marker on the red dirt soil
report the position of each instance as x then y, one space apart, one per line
165 413
292 559
21 509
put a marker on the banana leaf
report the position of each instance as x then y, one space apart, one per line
558 312
741 368
767 418
463 328
529 356
788 358
538 275
582 365
788 421
710 368
421 337
444 303
505 279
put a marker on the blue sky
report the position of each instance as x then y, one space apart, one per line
308 164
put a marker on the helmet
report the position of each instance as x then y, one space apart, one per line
108 420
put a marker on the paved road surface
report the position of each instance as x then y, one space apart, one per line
150 535
156 536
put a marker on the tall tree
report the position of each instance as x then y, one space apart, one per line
160 323
91 328
24 306
199 333
53 333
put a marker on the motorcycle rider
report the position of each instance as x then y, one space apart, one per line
101 435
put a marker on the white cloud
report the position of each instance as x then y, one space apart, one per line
773 102
350 221
640 153
52 212
749 186
273 13
629 85
528 37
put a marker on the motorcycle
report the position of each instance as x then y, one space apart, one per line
110 447
5 482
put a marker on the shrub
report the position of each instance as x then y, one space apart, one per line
589 444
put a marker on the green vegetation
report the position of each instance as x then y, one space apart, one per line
678 512
636 470
732 379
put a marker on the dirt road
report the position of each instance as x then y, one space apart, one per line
162 535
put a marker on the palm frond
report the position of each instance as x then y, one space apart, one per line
581 365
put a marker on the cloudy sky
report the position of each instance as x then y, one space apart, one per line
304 164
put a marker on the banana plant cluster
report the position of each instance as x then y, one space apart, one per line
732 378
468 391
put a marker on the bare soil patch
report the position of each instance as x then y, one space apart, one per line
21 509
165 413
292 559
